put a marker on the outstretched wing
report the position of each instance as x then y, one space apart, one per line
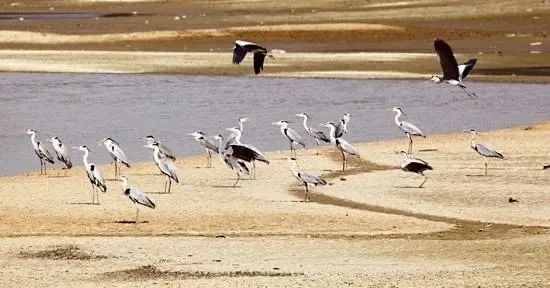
248 153
259 58
238 53
446 59
464 69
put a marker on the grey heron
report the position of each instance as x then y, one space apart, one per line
291 135
116 152
163 149
242 47
94 175
408 128
317 135
41 151
61 152
415 165
245 152
485 150
165 165
452 72
231 138
209 145
226 155
305 177
341 144
136 196
342 126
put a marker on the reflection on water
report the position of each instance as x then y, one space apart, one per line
84 108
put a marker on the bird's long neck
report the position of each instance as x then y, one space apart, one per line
241 126
238 134
283 127
294 168
156 153
397 118
305 124
124 184
85 158
332 134
33 140
473 140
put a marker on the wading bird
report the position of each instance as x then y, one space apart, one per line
231 137
94 175
415 165
242 47
341 144
135 195
342 126
317 135
163 149
61 152
484 150
116 152
452 72
306 178
209 144
407 128
165 165
291 135
41 151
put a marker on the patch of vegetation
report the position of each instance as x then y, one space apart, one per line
65 252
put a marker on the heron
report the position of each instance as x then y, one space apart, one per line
136 196
245 152
485 150
116 152
61 152
342 127
231 138
41 151
452 72
341 144
317 135
165 165
306 178
226 155
94 175
209 145
291 135
415 165
163 149
408 128
242 47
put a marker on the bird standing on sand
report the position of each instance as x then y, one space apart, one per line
244 152
408 128
341 144
209 145
136 196
452 72
94 175
291 135
485 150
116 152
165 165
242 47
415 165
306 178
41 151
317 135
61 152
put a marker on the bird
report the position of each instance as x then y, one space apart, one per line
546 167
512 200
116 152
317 135
94 175
165 165
415 165
485 150
136 196
341 144
209 145
61 152
231 138
408 128
244 152
291 135
306 178
41 151
163 149
342 127
452 72
242 47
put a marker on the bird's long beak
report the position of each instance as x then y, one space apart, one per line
99 143
75 148
275 123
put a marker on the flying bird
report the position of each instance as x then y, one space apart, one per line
41 151
291 135
341 144
61 152
485 150
452 72
163 149
415 165
306 178
242 47
408 128
165 165
317 135
136 196
94 175
209 144
116 152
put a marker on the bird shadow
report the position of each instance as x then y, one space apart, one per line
428 150
159 192
130 222
225 186
291 201
475 175
409 187
83 203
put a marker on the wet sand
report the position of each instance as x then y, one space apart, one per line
367 227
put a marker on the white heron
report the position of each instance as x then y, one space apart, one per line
242 47
41 151
408 128
485 150
341 144
317 135
163 149
342 126
165 165
305 177
136 196
452 72
116 152
244 152
61 152
209 145
415 165
291 135
94 175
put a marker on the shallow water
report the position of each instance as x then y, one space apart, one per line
84 108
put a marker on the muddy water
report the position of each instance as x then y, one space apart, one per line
84 108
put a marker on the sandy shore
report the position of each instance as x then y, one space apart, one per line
367 227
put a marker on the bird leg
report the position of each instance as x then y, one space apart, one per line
116 170
97 196
169 184
93 194
41 164
317 147
307 193
253 174
425 179
165 185
208 156
410 143
137 214
468 92
343 161
486 164
291 149
238 178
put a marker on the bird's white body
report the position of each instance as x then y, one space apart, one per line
136 196
94 175
165 165
408 128
61 152
40 151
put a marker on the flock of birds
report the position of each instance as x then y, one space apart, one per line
241 158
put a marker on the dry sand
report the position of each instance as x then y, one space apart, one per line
366 228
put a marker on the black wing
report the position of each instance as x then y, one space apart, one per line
259 62
465 68
238 54
446 59
247 154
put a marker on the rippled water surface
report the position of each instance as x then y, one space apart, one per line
84 108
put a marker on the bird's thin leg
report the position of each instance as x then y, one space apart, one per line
425 179
238 178
486 164
45 172
97 196
207 158
343 161
116 170
40 166
307 193
317 141
93 194
410 143
291 156
165 185
169 185
253 174
137 214
468 92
